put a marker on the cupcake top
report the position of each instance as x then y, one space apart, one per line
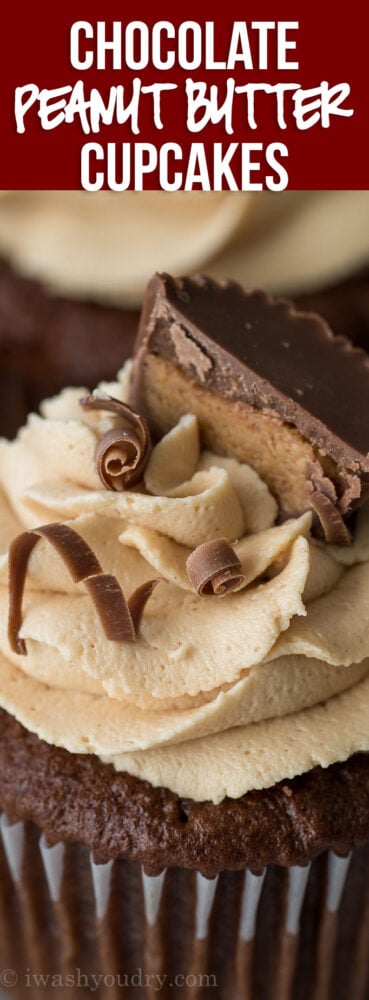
246 663
106 245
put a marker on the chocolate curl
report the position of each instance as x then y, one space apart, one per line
121 454
118 620
214 568
138 600
111 606
334 527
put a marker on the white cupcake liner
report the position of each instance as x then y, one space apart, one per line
240 903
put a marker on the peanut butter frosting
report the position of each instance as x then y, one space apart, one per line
219 694
107 244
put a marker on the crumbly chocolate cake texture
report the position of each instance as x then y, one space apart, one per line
271 386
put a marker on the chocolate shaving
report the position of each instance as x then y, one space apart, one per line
119 619
111 606
137 601
122 453
333 525
214 568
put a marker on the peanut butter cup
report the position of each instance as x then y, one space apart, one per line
270 385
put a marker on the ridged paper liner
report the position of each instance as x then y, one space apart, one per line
111 930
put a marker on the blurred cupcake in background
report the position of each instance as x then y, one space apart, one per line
105 246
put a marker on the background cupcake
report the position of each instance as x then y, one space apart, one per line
105 246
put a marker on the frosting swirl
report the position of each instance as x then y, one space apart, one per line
264 682
300 240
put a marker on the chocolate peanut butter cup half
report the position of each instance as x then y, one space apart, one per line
271 386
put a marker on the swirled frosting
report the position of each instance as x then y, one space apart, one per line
218 695
106 245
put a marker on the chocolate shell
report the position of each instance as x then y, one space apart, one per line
270 385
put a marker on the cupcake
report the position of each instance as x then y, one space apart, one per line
185 664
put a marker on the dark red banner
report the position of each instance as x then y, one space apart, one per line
112 97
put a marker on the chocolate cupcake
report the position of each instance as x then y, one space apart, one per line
185 667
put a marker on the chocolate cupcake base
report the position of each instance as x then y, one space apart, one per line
75 797
109 885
